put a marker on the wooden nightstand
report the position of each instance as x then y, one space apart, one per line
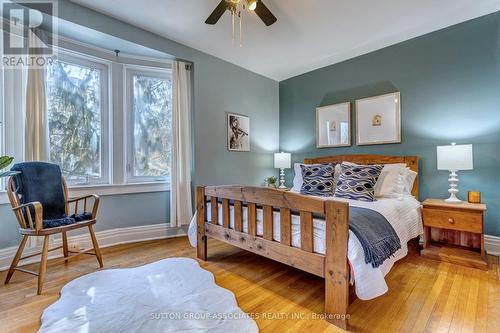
454 232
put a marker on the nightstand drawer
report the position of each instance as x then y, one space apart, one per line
445 219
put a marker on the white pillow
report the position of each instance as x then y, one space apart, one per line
336 176
297 178
392 180
411 176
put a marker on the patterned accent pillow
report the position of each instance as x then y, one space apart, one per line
318 179
357 182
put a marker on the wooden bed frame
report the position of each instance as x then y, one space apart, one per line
333 266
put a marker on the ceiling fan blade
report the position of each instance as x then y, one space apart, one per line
217 13
265 14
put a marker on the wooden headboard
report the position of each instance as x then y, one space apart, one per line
411 162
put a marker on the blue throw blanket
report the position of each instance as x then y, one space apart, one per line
40 181
375 233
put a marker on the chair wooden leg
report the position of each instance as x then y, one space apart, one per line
96 246
65 245
16 259
43 264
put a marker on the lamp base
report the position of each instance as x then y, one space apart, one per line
282 179
453 180
453 199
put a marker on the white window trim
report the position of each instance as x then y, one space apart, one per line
106 106
107 189
129 71
117 173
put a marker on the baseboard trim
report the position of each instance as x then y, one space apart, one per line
492 245
105 238
119 236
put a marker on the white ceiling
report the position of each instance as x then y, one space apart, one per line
104 41
309 34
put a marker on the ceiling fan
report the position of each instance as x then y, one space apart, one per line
232 5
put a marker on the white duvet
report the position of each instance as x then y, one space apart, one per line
403 214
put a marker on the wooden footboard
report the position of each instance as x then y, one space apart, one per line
332 266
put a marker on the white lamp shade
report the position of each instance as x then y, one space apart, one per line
282 160
454 157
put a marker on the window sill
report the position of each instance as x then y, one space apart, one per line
107 189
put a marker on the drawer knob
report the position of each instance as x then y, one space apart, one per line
451 221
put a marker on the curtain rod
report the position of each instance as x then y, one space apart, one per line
188 63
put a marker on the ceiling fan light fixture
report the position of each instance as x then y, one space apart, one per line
252 4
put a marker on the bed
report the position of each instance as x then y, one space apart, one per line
307 232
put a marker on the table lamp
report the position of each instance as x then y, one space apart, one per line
282 161
454 158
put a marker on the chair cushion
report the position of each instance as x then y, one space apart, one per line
82 217
75 218
54 223
41 181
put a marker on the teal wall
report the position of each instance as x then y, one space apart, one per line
449 82
219 87
450 91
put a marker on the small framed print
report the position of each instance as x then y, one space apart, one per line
238 132
378 120
333 125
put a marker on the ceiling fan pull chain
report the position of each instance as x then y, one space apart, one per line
232 19
241 27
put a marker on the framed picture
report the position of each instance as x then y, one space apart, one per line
333 125
378 119
238 132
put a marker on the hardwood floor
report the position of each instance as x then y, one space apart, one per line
424 295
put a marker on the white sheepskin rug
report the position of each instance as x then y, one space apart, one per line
171 295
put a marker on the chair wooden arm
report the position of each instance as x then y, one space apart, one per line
85 198
37 206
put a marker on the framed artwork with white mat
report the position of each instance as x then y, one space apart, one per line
378 119
238 132
333 125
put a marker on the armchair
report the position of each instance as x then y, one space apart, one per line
39 199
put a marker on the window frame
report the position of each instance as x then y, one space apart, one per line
115 148
129 72
13 118
74 58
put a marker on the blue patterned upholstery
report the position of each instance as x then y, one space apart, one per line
82 217
75 218
357 182
318 179
54 223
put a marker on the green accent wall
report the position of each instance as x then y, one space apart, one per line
450 91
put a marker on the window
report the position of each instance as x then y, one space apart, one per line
77 110
149 104
109 123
